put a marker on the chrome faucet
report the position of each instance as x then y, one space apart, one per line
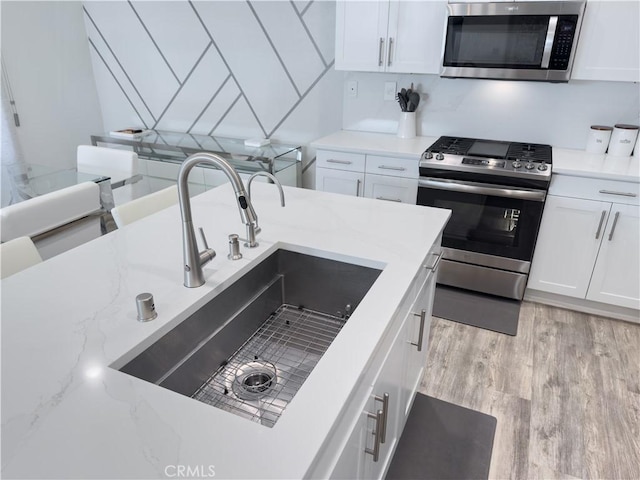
253 230
272 178
194 259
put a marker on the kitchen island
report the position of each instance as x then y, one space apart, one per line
69 323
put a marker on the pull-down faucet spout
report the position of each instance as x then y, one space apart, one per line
194 260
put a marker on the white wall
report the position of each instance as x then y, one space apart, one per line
227 68
45 52
555 113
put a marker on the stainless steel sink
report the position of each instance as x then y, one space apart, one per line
250 348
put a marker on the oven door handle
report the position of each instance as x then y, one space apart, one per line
483 189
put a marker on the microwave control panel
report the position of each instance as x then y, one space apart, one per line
563 42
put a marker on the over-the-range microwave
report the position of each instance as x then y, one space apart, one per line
512 40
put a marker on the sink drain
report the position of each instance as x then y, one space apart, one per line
254 380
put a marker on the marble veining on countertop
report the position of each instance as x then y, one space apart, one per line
67 413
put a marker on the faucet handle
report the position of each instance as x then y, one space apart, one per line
204 238
207 254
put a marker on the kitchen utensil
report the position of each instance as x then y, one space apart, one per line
402 100
414 100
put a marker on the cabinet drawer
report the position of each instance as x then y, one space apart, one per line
595 189
353 162
392 189
394 167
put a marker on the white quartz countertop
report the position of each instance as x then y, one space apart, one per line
67 414
374 143
565 161
580 163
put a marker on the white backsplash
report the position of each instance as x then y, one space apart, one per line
555 113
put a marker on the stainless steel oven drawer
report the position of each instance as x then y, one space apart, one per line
482 279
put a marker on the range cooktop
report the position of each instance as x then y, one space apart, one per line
491 157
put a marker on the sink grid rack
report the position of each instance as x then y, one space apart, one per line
293 339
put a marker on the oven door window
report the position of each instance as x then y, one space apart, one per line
498 226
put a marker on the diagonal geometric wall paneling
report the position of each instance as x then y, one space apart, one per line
237 68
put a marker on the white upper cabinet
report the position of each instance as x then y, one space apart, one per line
416 33
609 43
390 36
361 35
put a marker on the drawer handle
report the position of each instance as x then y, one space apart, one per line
604 212
380 52
435 263
385 414
423 316
341 162
387 167
623 194
389 199
375 451
613 227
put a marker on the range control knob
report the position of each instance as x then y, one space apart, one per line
516 164
542 167
439 156
428 155
529 166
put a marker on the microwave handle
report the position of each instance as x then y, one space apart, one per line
548 42
483 189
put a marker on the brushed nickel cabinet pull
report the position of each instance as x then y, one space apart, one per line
385 414
389 199
604 213
390 48
623 194
341 162
380 52
423 316
613 227
435 263
375 451
387 167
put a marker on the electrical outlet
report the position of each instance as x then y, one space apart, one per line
352 88
390 90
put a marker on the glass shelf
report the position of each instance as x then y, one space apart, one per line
175 147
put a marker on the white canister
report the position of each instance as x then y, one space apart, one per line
623 140
407 125
598 139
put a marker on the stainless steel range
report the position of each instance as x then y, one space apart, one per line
496 191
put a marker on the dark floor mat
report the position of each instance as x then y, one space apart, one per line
477 309
443 441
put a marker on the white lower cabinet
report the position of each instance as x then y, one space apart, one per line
372 176
381 408
589 249
340 181
616 276
567 247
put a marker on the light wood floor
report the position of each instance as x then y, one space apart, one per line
565 391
